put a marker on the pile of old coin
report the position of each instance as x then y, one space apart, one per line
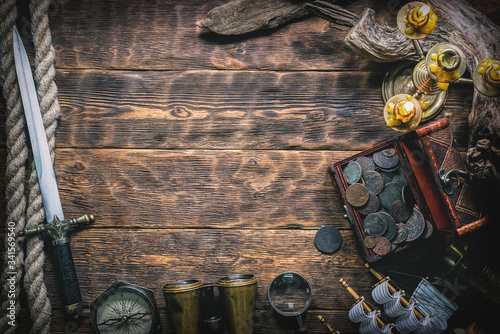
379 190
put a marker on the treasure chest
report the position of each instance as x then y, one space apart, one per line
399 192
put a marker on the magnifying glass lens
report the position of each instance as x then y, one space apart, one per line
290 294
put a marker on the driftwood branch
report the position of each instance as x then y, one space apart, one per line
243 16
332 13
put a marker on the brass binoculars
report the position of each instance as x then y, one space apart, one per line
194 307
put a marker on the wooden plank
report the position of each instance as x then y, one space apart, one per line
197 173
184 189
232 110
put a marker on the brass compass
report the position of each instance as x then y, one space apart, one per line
125 308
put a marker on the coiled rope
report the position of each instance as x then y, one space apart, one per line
34 215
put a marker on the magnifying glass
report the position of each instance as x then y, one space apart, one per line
290 295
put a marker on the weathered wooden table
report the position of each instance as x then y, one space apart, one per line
202 156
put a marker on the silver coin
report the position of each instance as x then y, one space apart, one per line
328 239
428 229
385 162
387 176
366 164
400 212
389 152
375 225
373 182
370 207
389 170
415 225
352 172
390 233
401 234
408 197
401 179
391 193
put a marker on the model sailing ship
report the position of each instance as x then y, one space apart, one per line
426 312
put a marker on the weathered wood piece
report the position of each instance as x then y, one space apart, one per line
478 37
243 16
332 12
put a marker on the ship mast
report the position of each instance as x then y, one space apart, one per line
358 298
392 290
327 325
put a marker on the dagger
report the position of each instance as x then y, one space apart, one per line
56 227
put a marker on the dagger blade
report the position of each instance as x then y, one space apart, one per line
36 129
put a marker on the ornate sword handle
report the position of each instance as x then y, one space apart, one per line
81 221
58 231
70 289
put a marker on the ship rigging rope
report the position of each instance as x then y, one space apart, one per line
32 214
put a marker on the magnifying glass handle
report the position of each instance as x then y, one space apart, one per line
302 328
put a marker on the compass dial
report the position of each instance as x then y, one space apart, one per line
125 310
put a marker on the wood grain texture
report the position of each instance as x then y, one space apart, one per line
208 109
163 36
231 110
171 40
203 155
197 189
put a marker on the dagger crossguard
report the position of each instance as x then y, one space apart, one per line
58 229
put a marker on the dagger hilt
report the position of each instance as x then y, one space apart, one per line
58 231
61 228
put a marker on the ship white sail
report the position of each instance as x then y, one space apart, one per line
368 321
409 323
382 295
395 308
357 314
372 327
432 301
438 324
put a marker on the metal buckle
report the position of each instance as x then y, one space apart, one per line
446 179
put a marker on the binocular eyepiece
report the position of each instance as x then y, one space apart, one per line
195 307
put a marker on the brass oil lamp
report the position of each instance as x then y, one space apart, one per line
425 85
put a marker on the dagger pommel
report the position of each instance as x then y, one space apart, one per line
82 221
